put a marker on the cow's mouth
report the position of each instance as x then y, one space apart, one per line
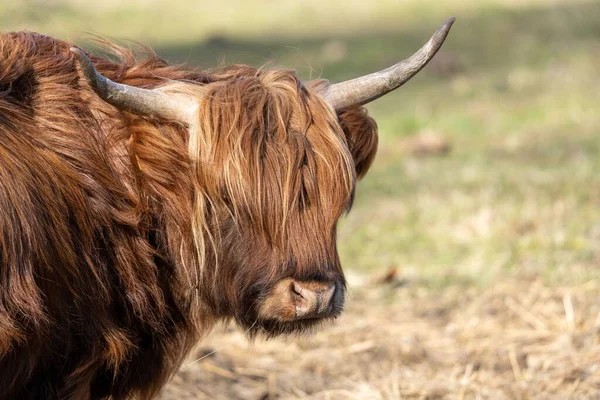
272 328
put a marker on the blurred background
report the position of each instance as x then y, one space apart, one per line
473 248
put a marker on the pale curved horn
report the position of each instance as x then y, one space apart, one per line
178 107
362 90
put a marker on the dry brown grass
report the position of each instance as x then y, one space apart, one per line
517 339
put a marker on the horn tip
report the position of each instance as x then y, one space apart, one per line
80 55
75 50
440 34
87 68
445 27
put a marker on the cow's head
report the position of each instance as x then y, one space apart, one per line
276 162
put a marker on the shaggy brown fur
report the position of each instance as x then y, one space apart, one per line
123 240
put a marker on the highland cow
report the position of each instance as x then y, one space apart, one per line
142 203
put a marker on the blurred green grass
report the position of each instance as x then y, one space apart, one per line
514 90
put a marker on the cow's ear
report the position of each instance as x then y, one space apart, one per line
361 133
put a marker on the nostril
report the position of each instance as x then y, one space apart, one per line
292 300
312 299
296 289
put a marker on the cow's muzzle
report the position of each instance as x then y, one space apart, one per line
293 300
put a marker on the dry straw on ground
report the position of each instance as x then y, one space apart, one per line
517 339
